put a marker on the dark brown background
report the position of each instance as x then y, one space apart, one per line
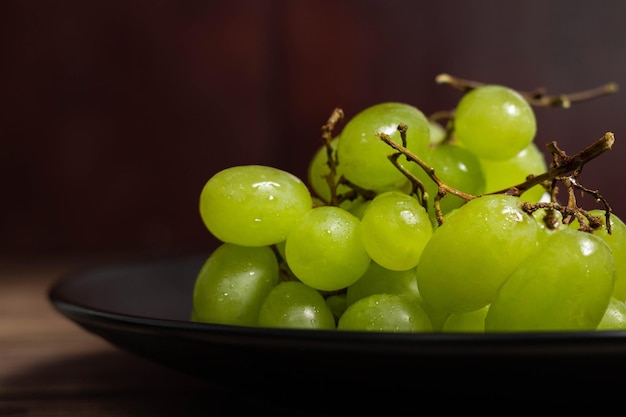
114 112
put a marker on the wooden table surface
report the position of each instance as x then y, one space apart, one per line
51 367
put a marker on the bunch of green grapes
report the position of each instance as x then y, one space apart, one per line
404 225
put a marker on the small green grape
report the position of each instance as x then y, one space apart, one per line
438 133
494 122
385 313
325 249
380 280
337 304
470 322
395 228
614 317
232 284
292 304
357 206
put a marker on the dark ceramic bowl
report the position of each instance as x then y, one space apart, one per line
144 307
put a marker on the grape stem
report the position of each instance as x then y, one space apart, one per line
331 159
417 186
564 168
563 164
538 96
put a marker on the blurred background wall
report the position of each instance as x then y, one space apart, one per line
115 112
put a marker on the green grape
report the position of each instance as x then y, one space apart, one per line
494 122
363 155
503 174
253 205
292 304
456 167
437 318
472 253
565 285
358 206
395 228
617 242
380 280
614 317
325 249
470 322
318 201
318 170
232 284
438 133
385 313
337 304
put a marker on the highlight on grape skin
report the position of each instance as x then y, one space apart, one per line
451 223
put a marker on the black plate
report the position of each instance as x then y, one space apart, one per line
143 307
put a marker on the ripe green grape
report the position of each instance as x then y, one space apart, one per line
385 313
472 253
617 242
363 155
565 285
456 167
318 170
503 174
337 304
253 205
614 317
395 228
495 122
325 249
380 280
470 322
292 304
357 206
232 284
438 133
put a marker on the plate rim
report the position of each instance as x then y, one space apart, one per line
453 343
